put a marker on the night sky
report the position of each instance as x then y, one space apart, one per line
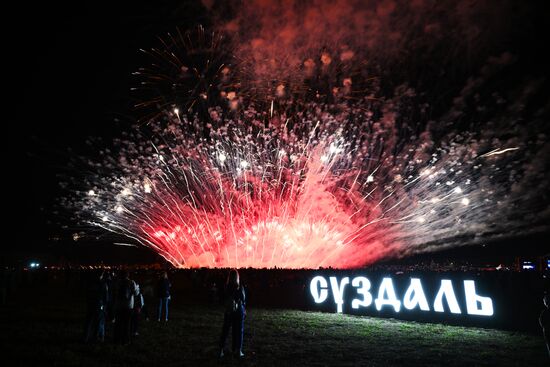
69 77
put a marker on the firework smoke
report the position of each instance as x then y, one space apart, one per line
282 141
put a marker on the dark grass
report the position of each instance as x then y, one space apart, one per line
47 331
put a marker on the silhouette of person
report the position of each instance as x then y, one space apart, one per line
136 312
544 321
97 298
163 294
126 290
234 313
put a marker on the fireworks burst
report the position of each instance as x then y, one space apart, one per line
331 187
188 72
221 178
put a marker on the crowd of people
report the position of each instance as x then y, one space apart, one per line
118 299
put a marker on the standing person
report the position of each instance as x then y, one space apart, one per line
97 298
163 294
126 290
110 278
233 318
544 321
136 312
105 299
148 293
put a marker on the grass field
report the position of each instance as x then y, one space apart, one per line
48 332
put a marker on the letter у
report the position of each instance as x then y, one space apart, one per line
338 291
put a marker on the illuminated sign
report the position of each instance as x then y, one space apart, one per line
385 296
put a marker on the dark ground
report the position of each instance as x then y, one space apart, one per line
43 326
